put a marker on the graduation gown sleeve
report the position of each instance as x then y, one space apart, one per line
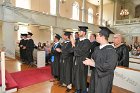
107 64
125 57
83 48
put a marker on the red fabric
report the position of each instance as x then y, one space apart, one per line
10 82
30 77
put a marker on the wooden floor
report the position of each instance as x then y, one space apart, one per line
44 87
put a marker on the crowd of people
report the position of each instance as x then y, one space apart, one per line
26 46
70 60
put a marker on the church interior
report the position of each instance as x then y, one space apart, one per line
46 18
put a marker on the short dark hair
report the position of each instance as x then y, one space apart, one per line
76 32
94 35
104 36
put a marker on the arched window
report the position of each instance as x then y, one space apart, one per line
23 4
90 15
53 7
137 11
75 11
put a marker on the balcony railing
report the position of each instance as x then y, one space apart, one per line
128 21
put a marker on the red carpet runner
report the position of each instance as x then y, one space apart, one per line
30 77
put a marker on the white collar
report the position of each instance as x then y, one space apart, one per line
66 41
56 43
82 38
29 38
102 46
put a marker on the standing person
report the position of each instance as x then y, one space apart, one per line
81 52
30 48
24 48
21 47
122 51
55 57
76 37
94 43
104 60
39 46
66 62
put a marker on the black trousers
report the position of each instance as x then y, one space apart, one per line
30 55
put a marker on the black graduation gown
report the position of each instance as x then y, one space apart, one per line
29 50
81 52
21 49
56 64
93 45
103 72
66 63
24 50
123 55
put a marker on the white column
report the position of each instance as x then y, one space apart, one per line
115 12
3 71
83 11
41 59
52 38
101 13
58 7
8 36
59 31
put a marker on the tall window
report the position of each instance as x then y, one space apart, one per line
75 11
53 7
90 15
23 4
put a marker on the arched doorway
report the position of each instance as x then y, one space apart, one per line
137 11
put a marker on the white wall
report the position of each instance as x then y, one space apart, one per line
127 79
108 12
40 35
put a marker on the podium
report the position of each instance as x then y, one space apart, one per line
40 59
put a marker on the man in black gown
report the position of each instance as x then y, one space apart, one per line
30 48
94 43
66 61
76 37
104 60
122 51
81 52
24 43
21 47
55 57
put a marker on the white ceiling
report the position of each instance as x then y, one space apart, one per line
97 2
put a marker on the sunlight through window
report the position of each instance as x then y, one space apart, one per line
90 15
75 11
23 4
53 7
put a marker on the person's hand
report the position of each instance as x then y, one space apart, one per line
24 47
58 49
21 45
89 62
72 40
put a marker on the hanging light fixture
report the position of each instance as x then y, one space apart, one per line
124 11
